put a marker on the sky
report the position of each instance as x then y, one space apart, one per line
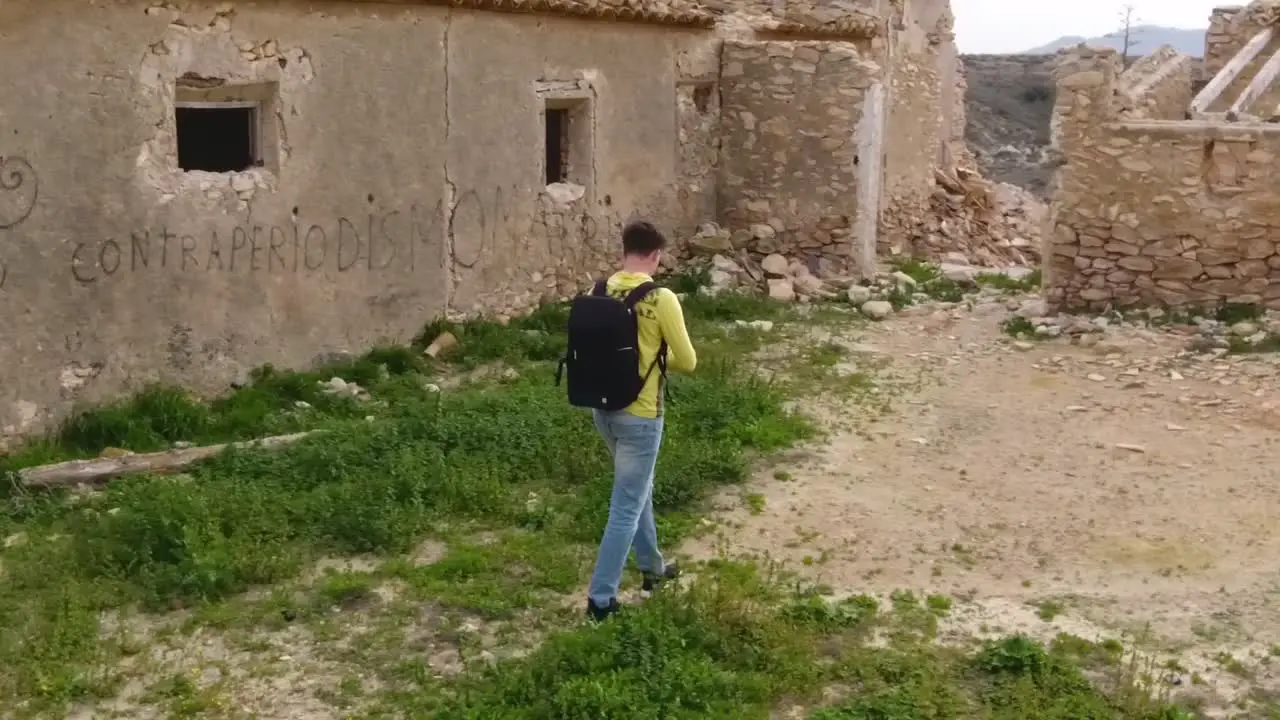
1003 26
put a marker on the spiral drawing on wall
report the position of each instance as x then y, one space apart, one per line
19 190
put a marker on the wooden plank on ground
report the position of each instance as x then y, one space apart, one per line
100 470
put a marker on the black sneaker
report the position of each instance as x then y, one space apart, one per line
598 613
652 582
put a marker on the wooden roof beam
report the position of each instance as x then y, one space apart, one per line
1259 85
1220 82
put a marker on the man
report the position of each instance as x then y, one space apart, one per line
634 434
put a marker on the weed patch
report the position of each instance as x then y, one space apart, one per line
928 281
515 458
1006 283
1269 343
734 645
1018 327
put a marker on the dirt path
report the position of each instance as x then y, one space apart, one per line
1131 486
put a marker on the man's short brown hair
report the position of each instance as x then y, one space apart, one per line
642 238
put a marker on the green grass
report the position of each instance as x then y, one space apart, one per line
430 464
733 645
1019 327
928 281
1005 283
511 485
1270 343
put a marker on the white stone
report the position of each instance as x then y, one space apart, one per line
720 262
1244 329
959 273
810 285
1033 309
903 280
775 265
720 279
566 193
242 182
877 309
781 289
859 294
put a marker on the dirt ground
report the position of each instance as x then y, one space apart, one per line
1122 490
1115 489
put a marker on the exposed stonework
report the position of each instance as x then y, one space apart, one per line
662 12
1150 208
793 172
842 19
1158 86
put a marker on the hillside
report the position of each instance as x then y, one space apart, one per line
1008 107
1144 39
1009 103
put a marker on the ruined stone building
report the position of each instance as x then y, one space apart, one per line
192 189
1167 193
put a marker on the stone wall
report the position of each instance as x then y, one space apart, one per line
1221 40
1157 212
1157 87
400 177
790 159
378 198
923 60
808 18
698 134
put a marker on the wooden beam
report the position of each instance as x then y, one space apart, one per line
99 470
869 134
1260 83
1231 70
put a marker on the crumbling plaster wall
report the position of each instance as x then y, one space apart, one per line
789 171
403 180
1157 212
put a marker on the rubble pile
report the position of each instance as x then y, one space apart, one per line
793 280
991 224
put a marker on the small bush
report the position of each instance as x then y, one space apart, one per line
1037 94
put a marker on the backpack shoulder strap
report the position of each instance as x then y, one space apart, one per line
601 288
639 293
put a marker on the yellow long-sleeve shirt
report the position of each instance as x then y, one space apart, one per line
659 317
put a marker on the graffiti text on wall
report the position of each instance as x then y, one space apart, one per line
372 242
480 225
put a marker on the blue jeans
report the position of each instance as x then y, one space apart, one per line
633 442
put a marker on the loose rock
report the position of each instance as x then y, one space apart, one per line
877 309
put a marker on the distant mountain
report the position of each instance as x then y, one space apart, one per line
1142 40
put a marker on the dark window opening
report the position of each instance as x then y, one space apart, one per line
702 97
217 139
557 141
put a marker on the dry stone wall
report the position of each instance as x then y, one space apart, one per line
1157 212
788 170
918 122
1157 87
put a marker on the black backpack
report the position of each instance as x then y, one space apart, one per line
603 358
